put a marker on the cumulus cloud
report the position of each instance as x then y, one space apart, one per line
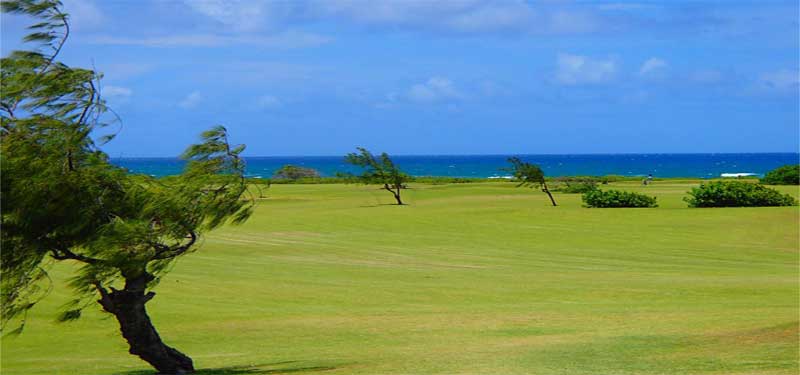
577 69
192 100
243 15
652 65
434 89
780 80
110 91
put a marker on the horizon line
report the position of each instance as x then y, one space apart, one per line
492 154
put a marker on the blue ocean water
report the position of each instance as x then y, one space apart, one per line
659 165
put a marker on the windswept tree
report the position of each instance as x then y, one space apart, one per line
530 175
382 172
62 200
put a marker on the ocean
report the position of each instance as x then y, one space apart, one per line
659 165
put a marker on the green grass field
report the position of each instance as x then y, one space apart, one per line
468 278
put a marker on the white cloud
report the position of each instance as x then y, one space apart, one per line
83 14
780 80
652 65
110 91
239 15
454 16
435 89
289 39
576 69
191 100
268 102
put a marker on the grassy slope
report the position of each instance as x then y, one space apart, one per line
471 278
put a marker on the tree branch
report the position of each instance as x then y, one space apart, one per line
88 104
64 254
167 252
105 298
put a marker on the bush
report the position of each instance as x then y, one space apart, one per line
294 173
737 194
577 187
786 175
615 199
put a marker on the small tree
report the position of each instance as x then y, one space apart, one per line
378 172
529 175
63 200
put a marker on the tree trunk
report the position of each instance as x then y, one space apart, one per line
128 306
397 196
546 190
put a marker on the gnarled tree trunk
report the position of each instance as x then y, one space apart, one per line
128 306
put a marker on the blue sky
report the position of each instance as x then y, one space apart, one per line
311 77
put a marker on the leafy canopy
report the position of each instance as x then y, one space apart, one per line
526 174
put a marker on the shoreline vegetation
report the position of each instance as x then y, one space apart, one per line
460 180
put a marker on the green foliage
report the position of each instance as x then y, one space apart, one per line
617 199
785 175
63 200
737 194
294 173
526 174
376 171
575 185
440 180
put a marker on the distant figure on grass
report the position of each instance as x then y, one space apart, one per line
529 175
378 172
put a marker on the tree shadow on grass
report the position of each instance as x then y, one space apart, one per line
381 205
287 367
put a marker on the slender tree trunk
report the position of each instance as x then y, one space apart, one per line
128 306
546 190
395 193
397 196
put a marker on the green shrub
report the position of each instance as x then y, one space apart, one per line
616 198
786 175
737 194
576 187
293 172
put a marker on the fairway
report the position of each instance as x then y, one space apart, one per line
481 278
